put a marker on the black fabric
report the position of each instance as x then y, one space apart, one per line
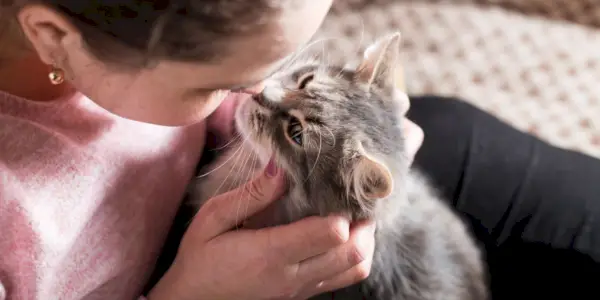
534 208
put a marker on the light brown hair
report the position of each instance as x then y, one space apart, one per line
12 41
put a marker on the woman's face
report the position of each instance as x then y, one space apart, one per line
176 93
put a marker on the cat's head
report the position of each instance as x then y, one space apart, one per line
335 131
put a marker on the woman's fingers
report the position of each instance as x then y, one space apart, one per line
361 240
222 213
306 238
413 135
352 276
341 263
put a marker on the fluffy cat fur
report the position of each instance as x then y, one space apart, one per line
337 134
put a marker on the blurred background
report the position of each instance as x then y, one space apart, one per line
535 64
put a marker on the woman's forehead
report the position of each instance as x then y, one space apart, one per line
229 73
259 54
250 61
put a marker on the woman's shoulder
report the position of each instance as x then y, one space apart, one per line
75 136
77 181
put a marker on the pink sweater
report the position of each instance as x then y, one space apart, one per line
86 198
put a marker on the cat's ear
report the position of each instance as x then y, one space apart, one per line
381 66
372 179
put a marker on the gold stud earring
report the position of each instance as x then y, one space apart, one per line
56 75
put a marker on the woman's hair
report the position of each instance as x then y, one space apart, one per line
139 32
12 41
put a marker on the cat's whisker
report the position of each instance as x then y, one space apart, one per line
237 151
324 60
332 135
339 74
359 45
234 139
236 154
234 157
362 33
238 182
249 176
323 66
316 159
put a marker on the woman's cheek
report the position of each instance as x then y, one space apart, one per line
220 121
214 100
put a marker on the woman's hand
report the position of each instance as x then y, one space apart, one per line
294 261
413 135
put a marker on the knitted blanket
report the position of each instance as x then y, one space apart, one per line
533 63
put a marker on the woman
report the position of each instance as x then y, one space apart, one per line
90 187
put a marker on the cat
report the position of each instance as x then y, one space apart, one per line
337 134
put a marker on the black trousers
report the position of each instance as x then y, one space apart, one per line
534 208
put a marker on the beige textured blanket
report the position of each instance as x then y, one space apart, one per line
533 63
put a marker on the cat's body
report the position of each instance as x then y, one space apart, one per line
422 250
343 153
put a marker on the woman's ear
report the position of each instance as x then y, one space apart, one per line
50 34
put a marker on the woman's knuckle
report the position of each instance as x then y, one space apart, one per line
355 255
291 273
287 291
263 263
362 272
211 209
337 231
254 190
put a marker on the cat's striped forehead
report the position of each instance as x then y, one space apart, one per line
284 88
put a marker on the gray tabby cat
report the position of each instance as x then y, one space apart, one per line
337 134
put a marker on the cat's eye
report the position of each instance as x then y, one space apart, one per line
304 80
294 130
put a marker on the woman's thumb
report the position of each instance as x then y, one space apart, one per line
224 212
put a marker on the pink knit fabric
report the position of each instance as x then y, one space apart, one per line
86 198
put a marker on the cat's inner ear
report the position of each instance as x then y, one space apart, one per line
372 179
381 65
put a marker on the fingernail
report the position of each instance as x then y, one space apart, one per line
271 169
